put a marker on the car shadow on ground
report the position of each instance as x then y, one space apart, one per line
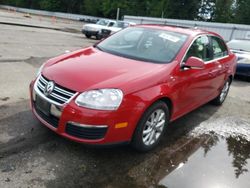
240 79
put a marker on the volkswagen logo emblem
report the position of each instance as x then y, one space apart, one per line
49 88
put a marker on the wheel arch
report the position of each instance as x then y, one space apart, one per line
169 103
231 78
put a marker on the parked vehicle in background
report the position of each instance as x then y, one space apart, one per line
93 29
128 87
89 19
119 25
242 50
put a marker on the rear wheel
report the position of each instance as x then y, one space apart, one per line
223 94
151 127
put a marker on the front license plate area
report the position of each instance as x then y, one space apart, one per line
43 106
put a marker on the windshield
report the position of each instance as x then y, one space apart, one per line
243 45
152 45
102 22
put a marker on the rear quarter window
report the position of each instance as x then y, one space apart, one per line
219 47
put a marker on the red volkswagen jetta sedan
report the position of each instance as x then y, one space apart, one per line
128 87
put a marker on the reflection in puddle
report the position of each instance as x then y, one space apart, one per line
213 154
218 163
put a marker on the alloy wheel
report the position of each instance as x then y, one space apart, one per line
224 91
153 127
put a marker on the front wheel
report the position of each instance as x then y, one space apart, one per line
88 36
223 94
151 127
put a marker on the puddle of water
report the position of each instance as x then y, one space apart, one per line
217 157
223 164
221 161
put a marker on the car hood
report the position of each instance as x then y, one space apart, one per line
91 68
114 29
95 26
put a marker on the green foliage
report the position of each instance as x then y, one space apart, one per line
242 12
51 5
236 11
223 11
92 7
207 10
183 9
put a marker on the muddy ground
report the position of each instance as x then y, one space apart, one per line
209 147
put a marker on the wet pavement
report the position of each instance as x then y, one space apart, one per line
208 148
199 150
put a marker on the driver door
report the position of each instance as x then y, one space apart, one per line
194 86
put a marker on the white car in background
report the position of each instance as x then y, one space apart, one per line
93 29
119 25
241 48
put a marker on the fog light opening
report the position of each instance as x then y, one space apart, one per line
55 111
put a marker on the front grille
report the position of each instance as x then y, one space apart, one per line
85 133
50 119
60 94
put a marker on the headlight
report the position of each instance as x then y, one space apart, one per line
102 99
40 69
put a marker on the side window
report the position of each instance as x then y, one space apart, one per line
111 24
219 47
200 48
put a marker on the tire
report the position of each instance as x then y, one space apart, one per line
223 94
151 127
88 36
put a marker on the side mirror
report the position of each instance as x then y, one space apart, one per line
194 63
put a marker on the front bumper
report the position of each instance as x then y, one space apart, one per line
89 32
86 125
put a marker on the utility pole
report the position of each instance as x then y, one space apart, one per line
118 13
162 14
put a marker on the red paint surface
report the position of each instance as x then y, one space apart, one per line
142 84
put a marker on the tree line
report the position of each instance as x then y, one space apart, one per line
227 11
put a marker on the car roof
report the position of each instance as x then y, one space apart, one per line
185 30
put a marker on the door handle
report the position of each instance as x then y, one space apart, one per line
212 73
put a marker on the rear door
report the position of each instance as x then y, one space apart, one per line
221 61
